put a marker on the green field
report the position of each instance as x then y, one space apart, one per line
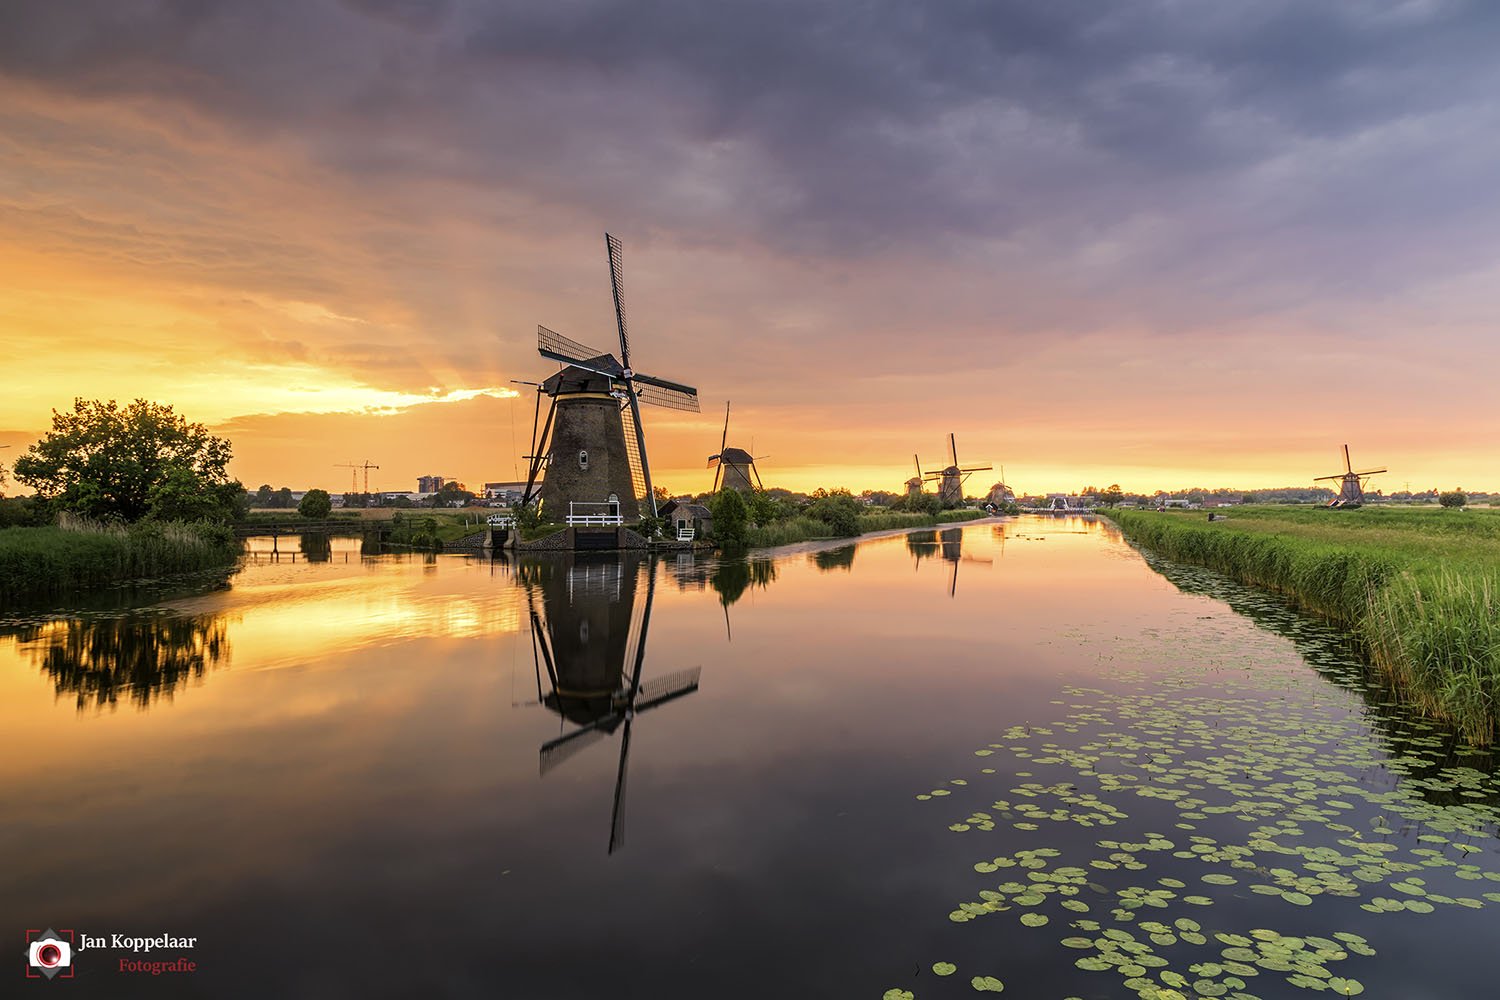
1420 587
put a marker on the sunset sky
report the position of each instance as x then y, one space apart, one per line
1157 243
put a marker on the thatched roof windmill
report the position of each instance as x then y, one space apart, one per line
733 467
1351 483
916 484
592 446
954 476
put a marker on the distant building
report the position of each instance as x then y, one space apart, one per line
430 484
508 493
682 514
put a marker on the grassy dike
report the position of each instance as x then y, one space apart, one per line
1419 587
52 561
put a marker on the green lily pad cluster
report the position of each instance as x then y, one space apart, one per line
1266 785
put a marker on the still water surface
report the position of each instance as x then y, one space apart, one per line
1003 754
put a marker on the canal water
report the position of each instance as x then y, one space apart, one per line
1010 755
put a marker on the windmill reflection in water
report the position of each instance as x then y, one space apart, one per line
949 544
589 636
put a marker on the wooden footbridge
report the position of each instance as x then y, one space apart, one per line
249 529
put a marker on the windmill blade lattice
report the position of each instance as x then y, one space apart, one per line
617 286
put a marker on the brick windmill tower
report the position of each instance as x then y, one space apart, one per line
733 467
951 488
592 449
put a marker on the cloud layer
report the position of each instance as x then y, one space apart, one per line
873 214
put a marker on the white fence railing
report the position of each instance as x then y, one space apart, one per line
501 521
595 520
686 533
602 515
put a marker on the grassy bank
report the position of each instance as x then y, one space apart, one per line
808 529
1419 587
47 562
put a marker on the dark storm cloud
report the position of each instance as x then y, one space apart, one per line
1257 150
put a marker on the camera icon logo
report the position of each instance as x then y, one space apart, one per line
49 954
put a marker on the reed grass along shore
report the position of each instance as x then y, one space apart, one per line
1420 588
78 554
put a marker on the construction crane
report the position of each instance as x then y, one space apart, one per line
354 474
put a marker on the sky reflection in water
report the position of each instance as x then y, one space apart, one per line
349 752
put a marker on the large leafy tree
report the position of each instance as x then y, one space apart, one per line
118 463
315 504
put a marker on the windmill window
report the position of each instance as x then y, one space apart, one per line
583 460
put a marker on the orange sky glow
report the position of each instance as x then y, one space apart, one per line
347 267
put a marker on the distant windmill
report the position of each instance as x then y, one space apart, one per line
1000 494
592 445
735 464
583 639
914 484
1351 483
954 476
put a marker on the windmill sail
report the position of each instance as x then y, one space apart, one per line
617 286
658 393
551 344
639 489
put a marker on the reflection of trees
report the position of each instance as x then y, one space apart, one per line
143 657
733 577
922 544
839 558
316 546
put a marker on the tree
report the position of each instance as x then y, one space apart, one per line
1112 496
283 499
451 494
731 518
837 509
117 463
315 504
764 508
1453 498
263 495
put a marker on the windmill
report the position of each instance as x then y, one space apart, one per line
954 476
592 446
735 464
1000 494
914 484
1351 483
583 638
